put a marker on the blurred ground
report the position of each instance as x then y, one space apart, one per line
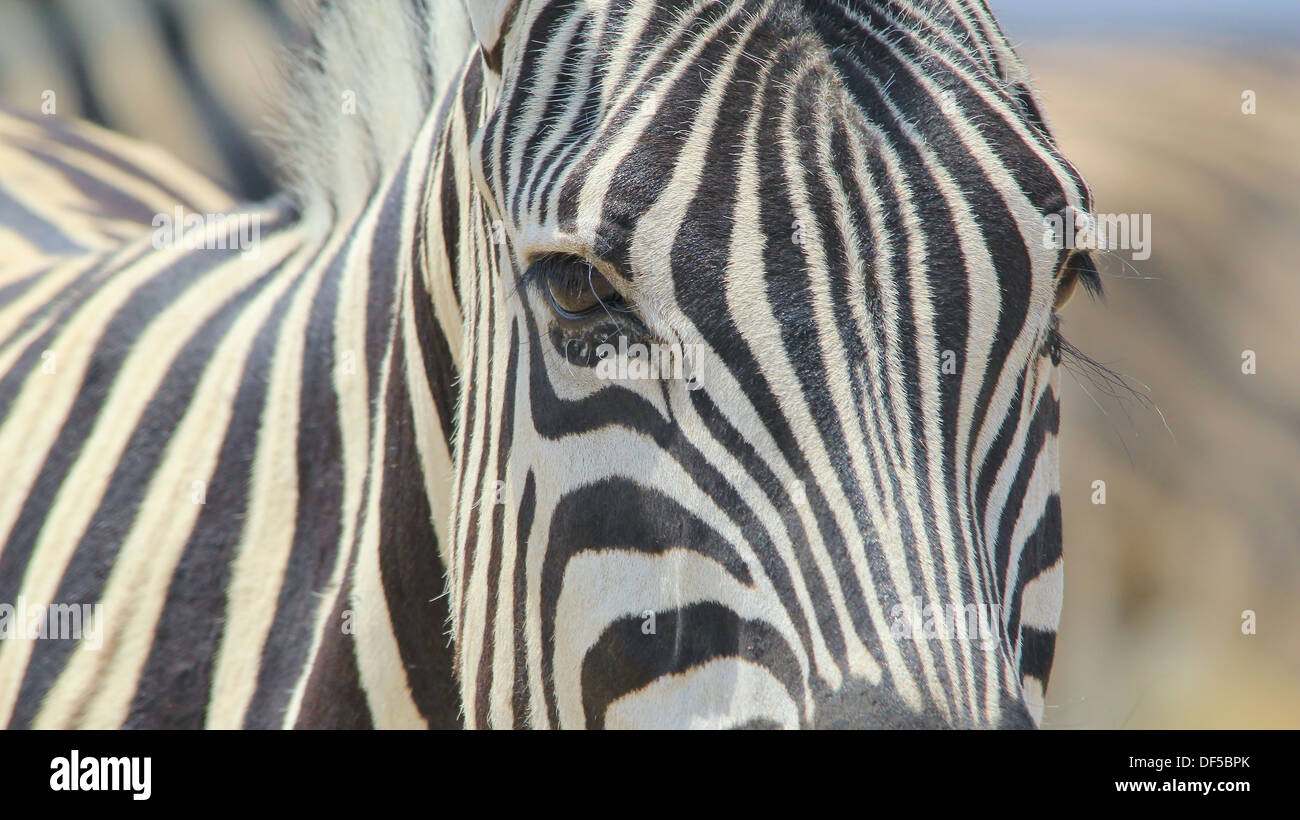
1200 523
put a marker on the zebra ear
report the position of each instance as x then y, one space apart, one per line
491 20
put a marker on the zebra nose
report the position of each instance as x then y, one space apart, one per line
860 705
1015 715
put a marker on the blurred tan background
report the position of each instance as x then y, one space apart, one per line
1201 521
1202 518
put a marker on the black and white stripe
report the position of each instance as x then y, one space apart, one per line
827 470
674 146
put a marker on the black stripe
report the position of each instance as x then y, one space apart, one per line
1037 648
49 237
333 697
483 685
522 692
626 658
409 566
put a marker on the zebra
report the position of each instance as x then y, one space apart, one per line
378 473
156 68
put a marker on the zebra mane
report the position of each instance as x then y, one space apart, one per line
359 91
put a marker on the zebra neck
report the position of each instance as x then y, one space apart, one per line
392 665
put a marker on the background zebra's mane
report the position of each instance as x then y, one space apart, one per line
359 92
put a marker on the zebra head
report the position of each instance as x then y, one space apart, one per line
758 422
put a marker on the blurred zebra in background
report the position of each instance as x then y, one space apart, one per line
198 77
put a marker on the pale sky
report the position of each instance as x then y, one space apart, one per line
1237 20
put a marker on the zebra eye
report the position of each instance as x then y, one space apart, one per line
575 288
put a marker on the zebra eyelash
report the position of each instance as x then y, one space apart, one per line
1091 374
1079 268
1054 344
1084 266
541 268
